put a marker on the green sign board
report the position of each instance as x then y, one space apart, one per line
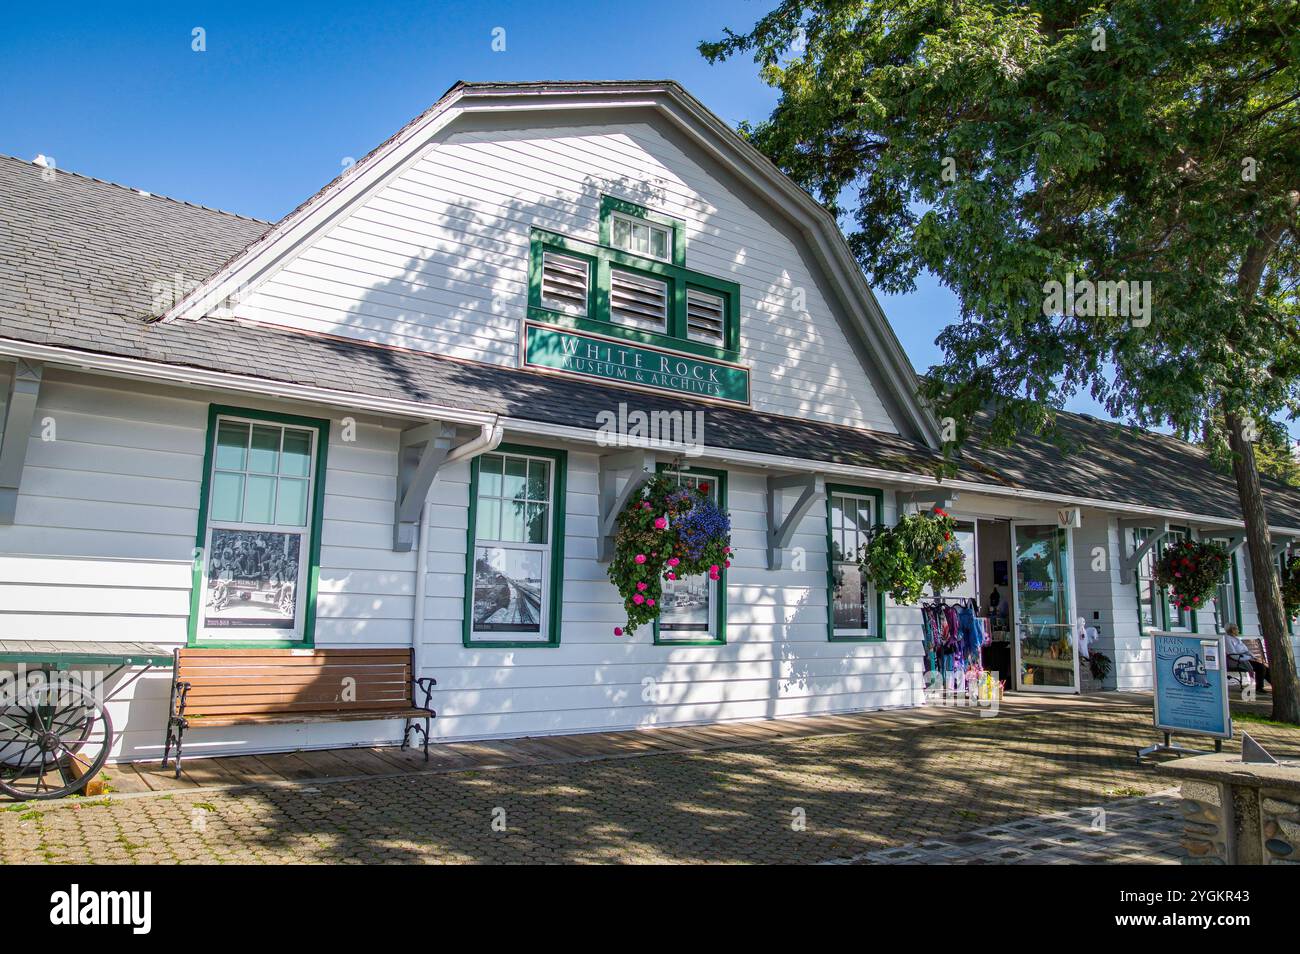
620 362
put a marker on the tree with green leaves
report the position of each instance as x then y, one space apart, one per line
1109 187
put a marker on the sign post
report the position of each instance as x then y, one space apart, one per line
1191 689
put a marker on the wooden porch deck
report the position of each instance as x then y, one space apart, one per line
329 765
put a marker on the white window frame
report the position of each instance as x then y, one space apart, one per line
297 633
667 633
542 636
868 591
636 222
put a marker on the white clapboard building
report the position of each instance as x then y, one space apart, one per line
390 420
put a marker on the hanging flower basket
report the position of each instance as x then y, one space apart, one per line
665 532
920 550
1191 571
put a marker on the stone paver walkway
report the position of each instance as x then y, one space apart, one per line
802 800
1144 830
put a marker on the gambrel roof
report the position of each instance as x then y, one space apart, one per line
79 259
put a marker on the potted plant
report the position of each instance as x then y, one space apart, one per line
920 550
1191 570
666 531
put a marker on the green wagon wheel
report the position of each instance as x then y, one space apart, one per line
54 738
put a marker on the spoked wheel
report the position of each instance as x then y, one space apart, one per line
54 738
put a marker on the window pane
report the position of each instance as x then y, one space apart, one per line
291 503
232 445
686 605
659 243
837 512
264 455
516 470
513 521
259 500
295 461
850 606
622 233
487 524
489 476
537 522
508 590
227 497
539 477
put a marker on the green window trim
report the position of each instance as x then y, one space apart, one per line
322 429
600 259
878 498
555 590
1234 576
609 205
719 479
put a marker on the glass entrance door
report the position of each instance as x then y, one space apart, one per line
1047 658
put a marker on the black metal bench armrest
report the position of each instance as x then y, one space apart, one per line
182 690
423 684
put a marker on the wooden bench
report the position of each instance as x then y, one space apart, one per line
225 687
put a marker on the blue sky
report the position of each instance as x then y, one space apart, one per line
284 93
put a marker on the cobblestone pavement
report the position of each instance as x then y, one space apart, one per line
801 800
1143 830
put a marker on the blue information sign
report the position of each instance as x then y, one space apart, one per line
1191 686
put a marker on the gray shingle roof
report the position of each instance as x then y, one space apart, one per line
79 259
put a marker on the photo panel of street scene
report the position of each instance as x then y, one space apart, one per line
252 579
685 605
508 590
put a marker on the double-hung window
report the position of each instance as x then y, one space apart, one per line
694 610
515 550
856 611
258 542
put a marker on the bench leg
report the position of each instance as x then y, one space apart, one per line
180 733
412 726
426 738
167 747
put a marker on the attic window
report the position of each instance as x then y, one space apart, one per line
641 237
640 231
565 281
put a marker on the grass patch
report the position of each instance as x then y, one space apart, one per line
1254 719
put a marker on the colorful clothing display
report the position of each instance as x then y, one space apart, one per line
954 636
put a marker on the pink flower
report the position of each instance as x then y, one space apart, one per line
641 586
618 630
645 505
640 558
726 549
660 523
650 602
673 561
671 575
638 599
713 569
726 563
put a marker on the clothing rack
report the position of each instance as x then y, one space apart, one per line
955 635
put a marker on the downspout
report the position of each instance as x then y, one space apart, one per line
488 439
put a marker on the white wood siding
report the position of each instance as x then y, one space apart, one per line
438 259
105 529
777 661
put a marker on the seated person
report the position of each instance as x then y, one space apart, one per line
1240 658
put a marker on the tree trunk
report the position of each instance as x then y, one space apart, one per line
1268 593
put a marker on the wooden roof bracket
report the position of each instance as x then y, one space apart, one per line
1130 562
637 466
780 531
20 414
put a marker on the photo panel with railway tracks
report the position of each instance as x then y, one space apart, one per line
508 590
252 579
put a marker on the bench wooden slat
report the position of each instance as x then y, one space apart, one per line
360 715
